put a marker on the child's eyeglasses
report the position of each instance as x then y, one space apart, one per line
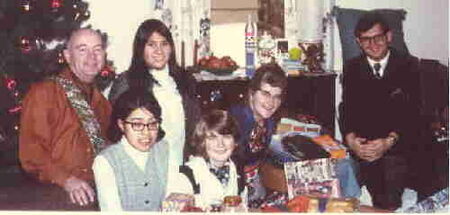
138 126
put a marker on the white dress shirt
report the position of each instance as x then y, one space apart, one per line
383 63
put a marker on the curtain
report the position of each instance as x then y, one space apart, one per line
189 21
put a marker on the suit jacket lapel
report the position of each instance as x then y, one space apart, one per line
392 64
365 66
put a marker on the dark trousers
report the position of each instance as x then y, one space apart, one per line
385 179
23 193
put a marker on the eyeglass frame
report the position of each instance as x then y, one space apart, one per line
267 95
152 126
377 39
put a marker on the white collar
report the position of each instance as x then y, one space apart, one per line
160 74
227 163
129 149
383 62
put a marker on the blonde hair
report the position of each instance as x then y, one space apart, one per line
219 121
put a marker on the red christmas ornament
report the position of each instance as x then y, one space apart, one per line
106 71
15 109
25 45
56 4
10 83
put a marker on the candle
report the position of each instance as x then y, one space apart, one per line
195 52
182 55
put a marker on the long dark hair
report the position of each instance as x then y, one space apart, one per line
138 70
128 102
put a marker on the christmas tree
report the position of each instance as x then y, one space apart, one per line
32 36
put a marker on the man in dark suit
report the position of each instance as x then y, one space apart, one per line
379 109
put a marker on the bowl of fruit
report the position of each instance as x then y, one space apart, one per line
218 66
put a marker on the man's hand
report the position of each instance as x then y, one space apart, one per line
375 149
355 143
80 191
368 150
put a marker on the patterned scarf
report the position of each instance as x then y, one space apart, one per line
257 141
84 112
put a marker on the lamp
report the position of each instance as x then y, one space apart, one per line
310 33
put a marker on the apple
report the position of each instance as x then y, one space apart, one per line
203 62
214 63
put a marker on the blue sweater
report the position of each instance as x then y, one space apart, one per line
244 116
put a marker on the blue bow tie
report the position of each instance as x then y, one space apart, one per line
222 173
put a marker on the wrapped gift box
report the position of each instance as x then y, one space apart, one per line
312 177
176 202
313 204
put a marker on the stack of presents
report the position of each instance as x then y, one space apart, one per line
300 168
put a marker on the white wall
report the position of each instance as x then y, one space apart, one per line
228 40
120 20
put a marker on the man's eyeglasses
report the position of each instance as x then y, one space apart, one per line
138 126
378 39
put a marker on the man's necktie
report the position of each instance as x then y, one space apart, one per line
377 68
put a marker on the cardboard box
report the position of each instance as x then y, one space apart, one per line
234 4
232 11
232 16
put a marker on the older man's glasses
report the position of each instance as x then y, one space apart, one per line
377 39
139 126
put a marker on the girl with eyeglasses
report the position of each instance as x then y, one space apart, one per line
131 175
